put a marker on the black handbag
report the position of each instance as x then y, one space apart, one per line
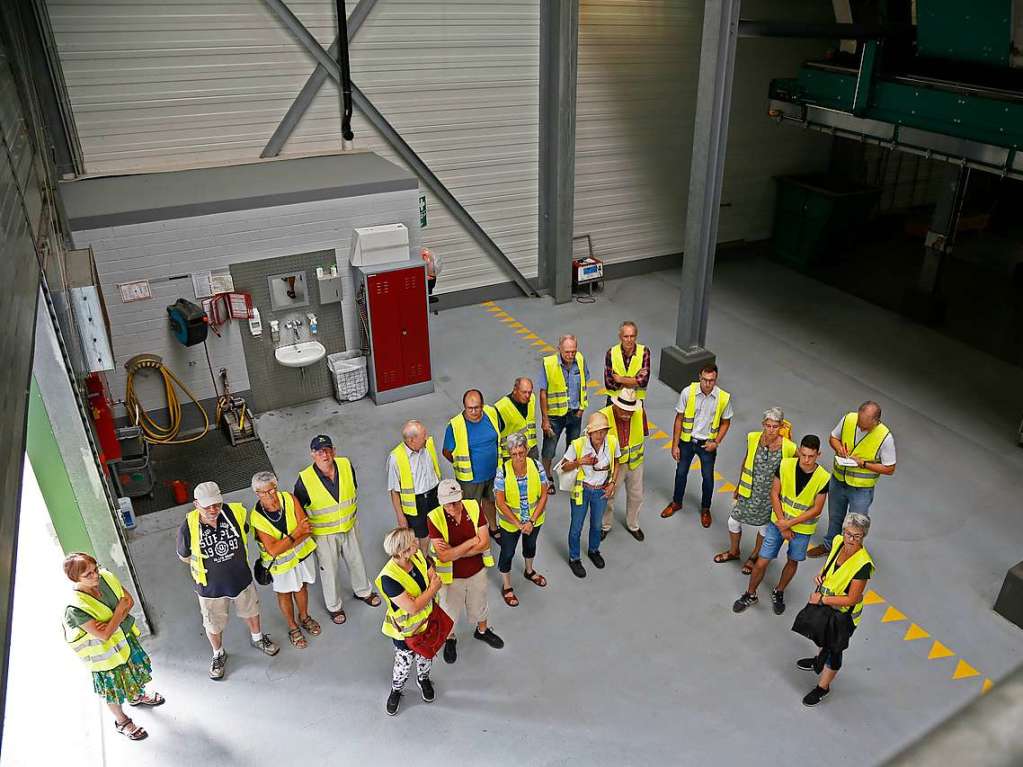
261 572
823 625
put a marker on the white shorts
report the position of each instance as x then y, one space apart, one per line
293 580
735 526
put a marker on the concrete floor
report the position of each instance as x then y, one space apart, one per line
643 661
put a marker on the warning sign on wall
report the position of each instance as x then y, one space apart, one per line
422 211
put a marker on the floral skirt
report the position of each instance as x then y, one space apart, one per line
128 681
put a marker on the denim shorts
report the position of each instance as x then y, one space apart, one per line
773 541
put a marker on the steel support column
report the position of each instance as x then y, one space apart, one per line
559 58
400 146
681 362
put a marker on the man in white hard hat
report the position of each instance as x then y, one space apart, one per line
212 542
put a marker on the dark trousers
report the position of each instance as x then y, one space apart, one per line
509 541
571 424
689 450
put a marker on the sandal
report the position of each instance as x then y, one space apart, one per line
536 578
724 556
338 617
747 568
509 597
297 640
131 730
372 599
156 699
310 625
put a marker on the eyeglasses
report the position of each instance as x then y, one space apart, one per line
268 491
90 572
853 536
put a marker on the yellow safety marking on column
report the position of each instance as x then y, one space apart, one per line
938 650
964 670
891 615
914 632
988 684
728 487
661 435
873 598
531 337
718 476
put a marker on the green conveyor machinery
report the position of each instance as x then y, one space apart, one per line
952 94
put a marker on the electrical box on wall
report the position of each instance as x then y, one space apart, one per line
372 245
329 283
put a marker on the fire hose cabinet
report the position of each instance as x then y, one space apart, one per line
393 306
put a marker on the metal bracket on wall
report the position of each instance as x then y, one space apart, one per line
326 63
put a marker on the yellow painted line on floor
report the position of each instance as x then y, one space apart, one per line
718 476
964 670
548 348
938 650
891 615
728 487
531 337
661 435
986 686
524 331
539 342
495 309
914 632
517 325
511 321
873 598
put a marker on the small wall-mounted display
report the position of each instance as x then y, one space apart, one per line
288 291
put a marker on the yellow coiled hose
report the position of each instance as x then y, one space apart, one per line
151 430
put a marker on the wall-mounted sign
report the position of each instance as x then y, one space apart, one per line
422 211
135 291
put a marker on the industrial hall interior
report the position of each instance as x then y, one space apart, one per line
540 382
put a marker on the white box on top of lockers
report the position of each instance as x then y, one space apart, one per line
385 244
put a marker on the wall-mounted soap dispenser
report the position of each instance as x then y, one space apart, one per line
275 330
312 323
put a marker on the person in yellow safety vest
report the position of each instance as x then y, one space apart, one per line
412 476
99 628
213 542
596 460
764 452
517 412
326 490
702 418
471 445
284 537
409 585
521 504
563 399
859 438
627 363
840 585
628 417
797 499
461 546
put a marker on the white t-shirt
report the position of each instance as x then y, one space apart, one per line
705 406
885 456
597 474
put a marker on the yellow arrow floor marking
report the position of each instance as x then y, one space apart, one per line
728 487
873 598
938 650
891 615
964 670
914 632
986 686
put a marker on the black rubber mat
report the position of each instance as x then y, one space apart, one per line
210 458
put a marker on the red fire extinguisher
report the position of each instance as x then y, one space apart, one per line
180 491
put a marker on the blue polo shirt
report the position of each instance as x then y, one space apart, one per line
482 448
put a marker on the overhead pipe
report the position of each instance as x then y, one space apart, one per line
346 75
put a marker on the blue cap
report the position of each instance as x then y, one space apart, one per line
320 442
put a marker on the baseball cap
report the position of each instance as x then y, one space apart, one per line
448 491
321 442
207 493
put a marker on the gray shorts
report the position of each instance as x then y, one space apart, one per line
477 491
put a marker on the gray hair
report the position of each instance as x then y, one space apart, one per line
774 414
263 479
516 440
398 540
520 379
872 406
567 337
855 519
411 429
629 324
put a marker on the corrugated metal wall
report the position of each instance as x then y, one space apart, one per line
158 83
638 67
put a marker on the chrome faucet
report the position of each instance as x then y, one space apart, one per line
293 326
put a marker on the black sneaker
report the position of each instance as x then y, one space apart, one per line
392 702
604 533
577 568
489 637
807 664
217 666
450 652
778 601
596 559
426 687
746 600
815 696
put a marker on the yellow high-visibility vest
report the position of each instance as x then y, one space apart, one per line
445 570
195 562
289 558
514 500
689 416
618 365
327 516
580 444
836 583
461 462
788 450
99 654
514 422
632 454
867 448
399 624
557 387
405 481
793 504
